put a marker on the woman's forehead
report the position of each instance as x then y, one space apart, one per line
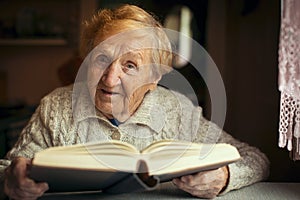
125 43
121 47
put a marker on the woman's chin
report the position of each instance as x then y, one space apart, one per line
116 113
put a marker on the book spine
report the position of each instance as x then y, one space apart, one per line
135 182
131 183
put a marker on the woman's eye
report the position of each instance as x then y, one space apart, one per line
103 59
130 66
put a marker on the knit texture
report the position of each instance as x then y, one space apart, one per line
163 114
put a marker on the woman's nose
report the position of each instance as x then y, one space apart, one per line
111 76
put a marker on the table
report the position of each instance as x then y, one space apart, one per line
258 191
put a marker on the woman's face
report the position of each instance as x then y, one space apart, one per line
120 75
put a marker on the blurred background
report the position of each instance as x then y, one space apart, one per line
39 52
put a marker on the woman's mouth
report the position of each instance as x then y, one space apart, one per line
107 92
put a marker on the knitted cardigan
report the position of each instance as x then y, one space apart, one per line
163 114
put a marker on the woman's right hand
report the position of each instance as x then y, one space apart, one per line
17 184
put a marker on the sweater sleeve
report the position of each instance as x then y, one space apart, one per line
193 126
251 168
45 128
32 139
41 132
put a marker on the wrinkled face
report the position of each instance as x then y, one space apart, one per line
120 75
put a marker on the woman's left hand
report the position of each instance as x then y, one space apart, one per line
207 184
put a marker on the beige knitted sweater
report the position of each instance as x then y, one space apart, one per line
163 114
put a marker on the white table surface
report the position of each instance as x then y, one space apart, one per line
258 191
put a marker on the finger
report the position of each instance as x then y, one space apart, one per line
181 185
208 194
17 183
202 192
19 167
28 166
30 187
204 178
215 185
19 192
27 193
194 180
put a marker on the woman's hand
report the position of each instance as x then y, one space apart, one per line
206 184
17 185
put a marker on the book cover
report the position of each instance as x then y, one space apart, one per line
118 167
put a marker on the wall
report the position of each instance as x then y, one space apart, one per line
31 71
28 72
244 48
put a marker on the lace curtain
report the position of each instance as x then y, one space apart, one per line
289 77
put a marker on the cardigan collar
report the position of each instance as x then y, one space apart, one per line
150 113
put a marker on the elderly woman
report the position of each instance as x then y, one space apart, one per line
116 96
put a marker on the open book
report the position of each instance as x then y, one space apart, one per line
118 167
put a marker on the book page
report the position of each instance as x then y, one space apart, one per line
111 156
110 146
178 157
165 144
